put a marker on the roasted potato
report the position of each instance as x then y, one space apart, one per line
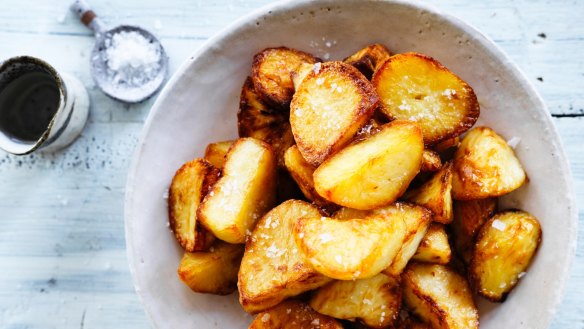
293 314
368 59
434 247
245 191
374 241
447 144
485 166
215 153
375 301
271 70
440 296
418 88
435 195
417 220
374 172
272 268
469 217
504 249
213 271
332 102
189 186
256 119
301 72
372 127
430 161
302 172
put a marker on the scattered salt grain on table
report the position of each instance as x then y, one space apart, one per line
513 142
132 59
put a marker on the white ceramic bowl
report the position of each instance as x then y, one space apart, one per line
199 106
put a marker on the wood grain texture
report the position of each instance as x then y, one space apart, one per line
62 250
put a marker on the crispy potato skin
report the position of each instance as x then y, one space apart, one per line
485 166
418 88
374 172
368 59
301 171
469 217
213 271
271 70
376 240
189 186
435 195
431 161
215 153
272 268
504 249
434 247
375 301
293 314
322 121
245 191
440 296
258 120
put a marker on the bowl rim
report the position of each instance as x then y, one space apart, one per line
486 42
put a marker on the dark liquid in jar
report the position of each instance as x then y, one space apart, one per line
27 105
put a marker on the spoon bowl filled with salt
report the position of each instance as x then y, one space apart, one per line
128 63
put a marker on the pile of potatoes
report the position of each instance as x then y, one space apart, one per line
353 199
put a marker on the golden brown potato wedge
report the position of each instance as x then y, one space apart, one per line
244 193
189 186
302 172
485 166
271 70
375 301
434 247
333 101
417 220
368 59
469 217
504 249
273 268
435 195
430 161
213 271
374 172
418 88
301 72
374 241
215 153
293 314
440 296
256 119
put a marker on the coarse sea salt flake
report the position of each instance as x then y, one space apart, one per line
319 81
316 67
325 237
266 317
499 225
338 259
522 274
315 322
367 301
513 142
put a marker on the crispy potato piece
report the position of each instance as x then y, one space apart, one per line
375 241
434 247
485 166
439 296
215 153
272 268
447 144
374 172
430 161
375 301
301 72
243 194
189 186
213 271
372 127
293 314
369 59
504 249
271 70
256 119
469 217
418 88
435 195
333 101
302 172
417 220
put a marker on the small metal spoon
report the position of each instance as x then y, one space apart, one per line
102 74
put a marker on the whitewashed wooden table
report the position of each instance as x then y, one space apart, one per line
62 251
